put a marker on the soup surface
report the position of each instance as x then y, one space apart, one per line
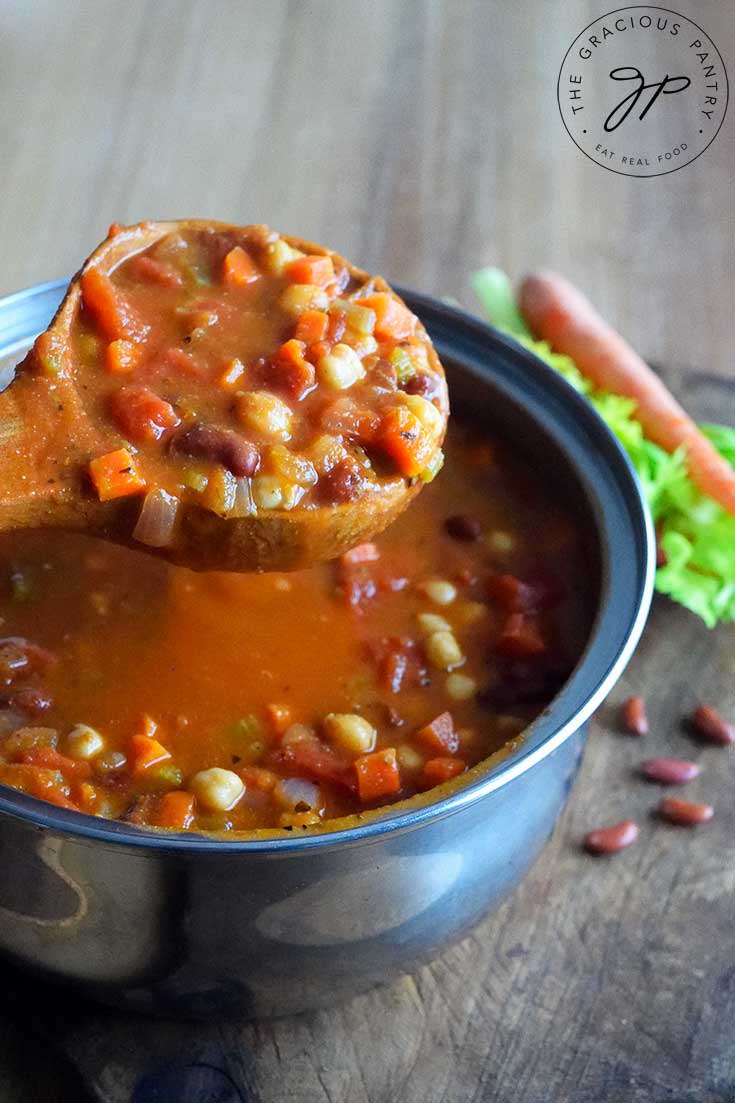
136 690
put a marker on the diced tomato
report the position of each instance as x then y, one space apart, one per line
344 417
155 271
377 774
175 811
437 770
239 268
392 318
146 752
115 475
312 326
439 735
141 414
315 270
279 717
52 759
393 670
520 638
177 360
113 315
85 796
336 328
314 760
123 357
402 437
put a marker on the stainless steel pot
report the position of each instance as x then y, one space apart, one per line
191 925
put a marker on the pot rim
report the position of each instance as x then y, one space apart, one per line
616 499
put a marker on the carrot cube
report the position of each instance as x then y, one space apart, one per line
403 438
315 270
520 638
312 326
175 811
115 475
147 752
437 770
291 369
122 357
112 314
239 268
439 735
279 717
377 774
392 319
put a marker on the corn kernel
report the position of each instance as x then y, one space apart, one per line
340 368
84 742
432 622
297 733
325 452
359 318
267 491
217 789
351 732
461 687
409 758
265 413
443 651
299 297
498 540
439 590
469 612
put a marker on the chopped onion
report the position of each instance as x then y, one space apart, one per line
242 499
157 518
295 794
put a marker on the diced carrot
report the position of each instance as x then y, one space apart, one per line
256 777
50 350
239 267
312 269
112 314
402 437
439 735
115 475
51 759
175 811
559 313
437 770
141 414
520 638
146 752
279 717
122 357
232 373
377 774
312 326
314 760
392 318
291 370
362 553
155 271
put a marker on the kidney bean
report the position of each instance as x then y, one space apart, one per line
685 813
424 383
341 484
609 840
708 724
219 445
633 716
669 771
465 529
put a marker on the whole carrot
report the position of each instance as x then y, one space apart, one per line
558 313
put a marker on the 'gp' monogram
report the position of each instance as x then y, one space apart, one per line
668 86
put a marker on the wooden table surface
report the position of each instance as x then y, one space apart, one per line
427 143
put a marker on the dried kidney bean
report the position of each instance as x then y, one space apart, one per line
633 716
685 813
708 724
223 446
463 528
669 771
341 484
609 840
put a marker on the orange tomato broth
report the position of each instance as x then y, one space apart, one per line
142 649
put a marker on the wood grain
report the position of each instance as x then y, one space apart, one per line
426 144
